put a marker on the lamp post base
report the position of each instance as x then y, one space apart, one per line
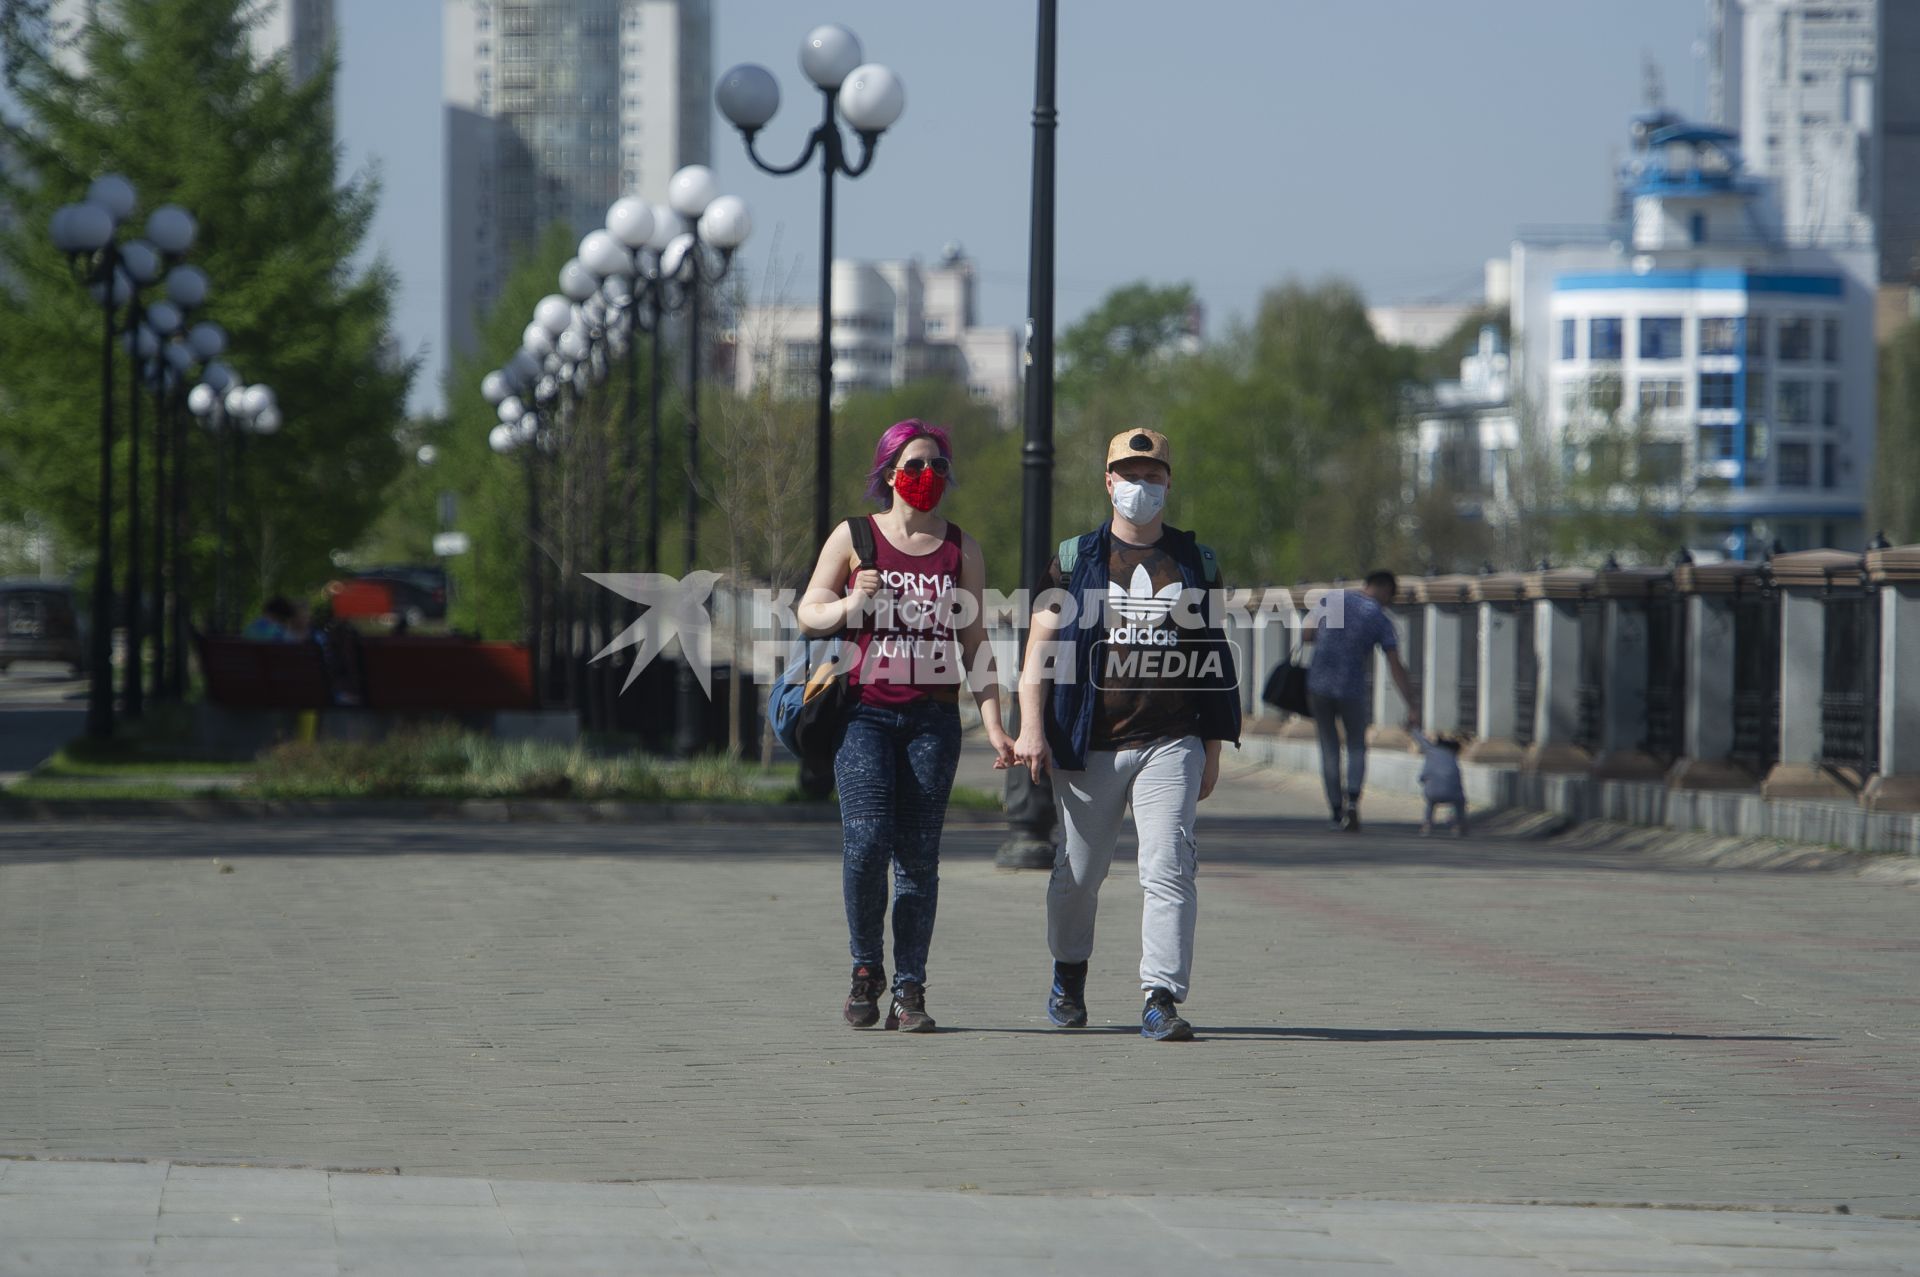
1023 850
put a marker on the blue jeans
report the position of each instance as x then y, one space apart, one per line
1352 714
894 771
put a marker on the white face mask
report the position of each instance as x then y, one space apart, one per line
1138 502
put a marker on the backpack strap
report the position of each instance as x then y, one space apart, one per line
1209 566
1069 555
861 528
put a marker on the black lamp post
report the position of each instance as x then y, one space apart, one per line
871 98
85 233
689 265
1030 814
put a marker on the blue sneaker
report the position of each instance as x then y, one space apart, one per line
1067 1003
1160 1022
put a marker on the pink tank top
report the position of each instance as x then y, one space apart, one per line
907 646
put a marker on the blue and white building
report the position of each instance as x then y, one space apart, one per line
1738 365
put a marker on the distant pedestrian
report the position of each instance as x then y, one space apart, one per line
917 636
274 624
1440 781
1337 686
1136 715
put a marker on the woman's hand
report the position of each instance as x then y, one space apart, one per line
866 583
1002 746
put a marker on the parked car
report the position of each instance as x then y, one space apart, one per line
40 621
405 593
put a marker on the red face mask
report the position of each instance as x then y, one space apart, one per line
922 491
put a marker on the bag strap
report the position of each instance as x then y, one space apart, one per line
1210 566
861 527
1069 555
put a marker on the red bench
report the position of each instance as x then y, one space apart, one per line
243 674
424 673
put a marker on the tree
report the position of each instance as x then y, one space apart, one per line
1894 498
172 98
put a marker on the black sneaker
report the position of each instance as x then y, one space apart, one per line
863 1002
909 1010
1350 818
1067 1003
1160 1021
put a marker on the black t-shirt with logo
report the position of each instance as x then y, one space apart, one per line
1146 666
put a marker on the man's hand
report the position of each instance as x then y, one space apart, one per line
1210 774
1413 720
1031 752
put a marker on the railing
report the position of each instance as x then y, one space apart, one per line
1850 686
1469 673
1756 679
1666 674
1526 674
1591 698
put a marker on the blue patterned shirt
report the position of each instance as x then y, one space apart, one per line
1341 654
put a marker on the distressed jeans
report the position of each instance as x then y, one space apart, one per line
894 771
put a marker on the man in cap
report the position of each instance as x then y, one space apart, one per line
1130 704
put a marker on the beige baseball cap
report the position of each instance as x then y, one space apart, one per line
1149 445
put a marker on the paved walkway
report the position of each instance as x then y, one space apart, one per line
1381 1018
102 1219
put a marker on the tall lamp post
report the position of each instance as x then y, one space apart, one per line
1030 814
871 98
85 233
720 223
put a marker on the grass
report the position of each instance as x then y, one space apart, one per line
442 763
436 763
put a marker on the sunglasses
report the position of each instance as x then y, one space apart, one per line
914 465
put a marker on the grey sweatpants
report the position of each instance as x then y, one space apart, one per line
1352 714
1163 781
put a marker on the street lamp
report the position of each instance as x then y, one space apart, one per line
1030 811
85 233
170 233
871 98
720 222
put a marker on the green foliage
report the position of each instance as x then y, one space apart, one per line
1894 496
1285 443
173 99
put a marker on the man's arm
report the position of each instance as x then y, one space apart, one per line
1403 681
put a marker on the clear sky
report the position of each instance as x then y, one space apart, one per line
1230 143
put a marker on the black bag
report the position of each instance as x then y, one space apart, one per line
1286 688
809 701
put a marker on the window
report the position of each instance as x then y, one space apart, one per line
1719 336
1756 338
1716 390
1796 402
1697 227
1716 443
1603 338
1757 394
1829 403
1829 465
1603 393
1830 340
1796 339
1661 462
1567 330
1796 465
1662 392
1660 337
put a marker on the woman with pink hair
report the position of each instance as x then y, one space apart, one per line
914 614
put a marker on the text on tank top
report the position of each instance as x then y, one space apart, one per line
907 646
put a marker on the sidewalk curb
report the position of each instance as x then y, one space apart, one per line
493 810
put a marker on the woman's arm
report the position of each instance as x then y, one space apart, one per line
823 609
973 636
